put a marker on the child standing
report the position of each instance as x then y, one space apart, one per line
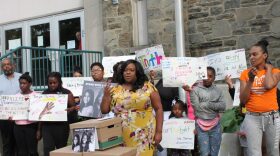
26 132
177 109
208 101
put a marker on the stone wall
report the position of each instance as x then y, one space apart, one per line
117 26
221 25
161 24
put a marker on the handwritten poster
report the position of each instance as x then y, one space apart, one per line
178 134
227 63
75 84
236 100
179 71
109 62
48 107
150 58
14 106
91 99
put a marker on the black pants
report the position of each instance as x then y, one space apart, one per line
8 140
26 139
55 135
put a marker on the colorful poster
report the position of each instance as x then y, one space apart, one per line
84 140
109 62
179 71
75 84
178 134
91 99
227 63
150 58
48 107
14 107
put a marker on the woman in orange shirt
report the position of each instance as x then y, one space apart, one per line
258 86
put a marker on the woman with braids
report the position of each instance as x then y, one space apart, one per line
258 85
26 132
55 134
134 99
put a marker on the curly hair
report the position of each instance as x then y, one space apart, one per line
141 78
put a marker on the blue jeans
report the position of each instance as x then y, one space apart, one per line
209 141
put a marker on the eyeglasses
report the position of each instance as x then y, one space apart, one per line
96 70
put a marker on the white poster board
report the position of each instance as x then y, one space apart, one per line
178 134
179 71
150 58
71 44
236 100
40 41
109 62
14 106
13 44
75 84
227 63
48 107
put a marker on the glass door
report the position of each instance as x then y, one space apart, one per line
39 36
13 38
71 36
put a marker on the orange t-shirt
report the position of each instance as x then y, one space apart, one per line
260 100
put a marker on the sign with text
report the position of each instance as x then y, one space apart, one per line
75 84
109 62
227 63
178 134
150 58
14 106
179 71
48 107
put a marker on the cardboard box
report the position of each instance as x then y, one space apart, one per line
116 151
109 131
65 151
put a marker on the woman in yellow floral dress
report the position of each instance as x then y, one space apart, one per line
134 100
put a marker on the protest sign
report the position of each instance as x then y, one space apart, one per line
227 63
150 59
91 99
14 106
48 107
178 134
109 62
179 71
75 84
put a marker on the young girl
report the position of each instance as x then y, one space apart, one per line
26 132
178 107
55 134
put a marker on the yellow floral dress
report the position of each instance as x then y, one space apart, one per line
136 110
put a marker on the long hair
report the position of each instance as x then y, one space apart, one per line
78 142
85 148
141 78
117 69
91 100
